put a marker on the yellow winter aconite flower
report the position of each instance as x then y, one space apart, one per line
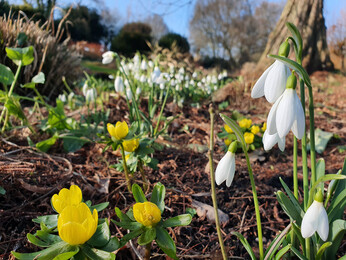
245 123
146 213
228 129
255 129
227 142
130 145
119 131
264 127
76 224
249 137
66 197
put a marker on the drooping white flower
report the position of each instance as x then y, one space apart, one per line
270 140
144 65
143 78
225 169
62 97
272 83
91 95
155 74
119 84
110 76
316 219
129 93
194 75
138 91
287 114
107 57
181 70
151 63
85 88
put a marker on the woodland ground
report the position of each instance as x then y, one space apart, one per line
31 178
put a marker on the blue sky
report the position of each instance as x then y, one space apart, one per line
177 13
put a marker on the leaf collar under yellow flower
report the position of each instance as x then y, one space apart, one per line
146 213
66 197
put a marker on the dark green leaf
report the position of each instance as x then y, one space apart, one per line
138 193
292 198
96 254
289 207
121 215
158 196
99 207
236 129
112 245
336 235
2 191
101 236
296 35
298 254
246 244
342 183
337 207
73 143
282 252
133 234
147 236
131 225
6 75
67 255
22 38
34 240
165 242
181 220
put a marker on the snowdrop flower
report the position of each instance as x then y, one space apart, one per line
119 84
270 140
272 83
181 70
129 93
177 87
138 91
144 65
162 85
91 95
194 75
226 168
287 113
85 88
187 78
155 74
173 82
136 59
316 219
143 78
214 79
62 97
110 76
107 57
151 63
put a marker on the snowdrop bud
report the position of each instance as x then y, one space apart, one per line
144 65
62 97
85 88
316 219
194 75
119 84
291 81
233 146
91 95
107 57
284 49
129 93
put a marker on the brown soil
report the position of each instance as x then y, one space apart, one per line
31 178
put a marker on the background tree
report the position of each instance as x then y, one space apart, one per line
172 40
307 15
158 26
131 38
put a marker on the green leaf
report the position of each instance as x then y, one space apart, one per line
39 78
298 254
289 207
67 255
14 108
246 244
138 193
293 198
47 237
181 220
236 129
121 215
22 38
133 234
112 245
191 211
321 140
45 145
101 236
50 221
99 207
298 234
165 242
341 186
322 249
24 55
96 254
337 207
73 143
6 75
282 252
25 256
294 66
34 240
133 225
337 231
30 85
158 196
147 236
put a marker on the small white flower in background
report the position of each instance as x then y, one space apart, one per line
143 78
129 93
226 168
182 70
62 97
270 140
70 96
119 84
162 85
151 63
107 57
91 95
136 59
85 88
224 73
171 69
316 219
220 77
199 84
155 74
144 65
194 75
187 77
177 87
214 79
287 113
173 82
138 91
110 76
272 83
192 82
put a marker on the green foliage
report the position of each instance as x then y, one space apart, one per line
174 40
132 37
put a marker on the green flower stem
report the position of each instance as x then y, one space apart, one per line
212 180
147 251
161 111
9 94
144 178
312 137
126 171
295 167
258 215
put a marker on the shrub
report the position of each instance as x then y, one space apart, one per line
53 58
132 37
172 39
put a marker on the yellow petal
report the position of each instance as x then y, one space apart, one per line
72 196
111 129
130 145
146 213
73 233
121 130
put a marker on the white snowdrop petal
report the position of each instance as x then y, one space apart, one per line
310 219
269 140
231 172
298 127
271 120
222 169
323 224
258 89
281 143
285 113
275 83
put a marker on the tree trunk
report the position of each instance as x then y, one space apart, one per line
307 15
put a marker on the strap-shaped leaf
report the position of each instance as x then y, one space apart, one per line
289 207
97 254
298 254
181 220
341 184
133 234
34 240
99 207
282 252
246 244
112 245
337 207
128 225
292 198
296 35
294 66
322 249
165 242
138 193
158 196
236 129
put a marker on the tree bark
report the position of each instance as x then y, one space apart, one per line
307 15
